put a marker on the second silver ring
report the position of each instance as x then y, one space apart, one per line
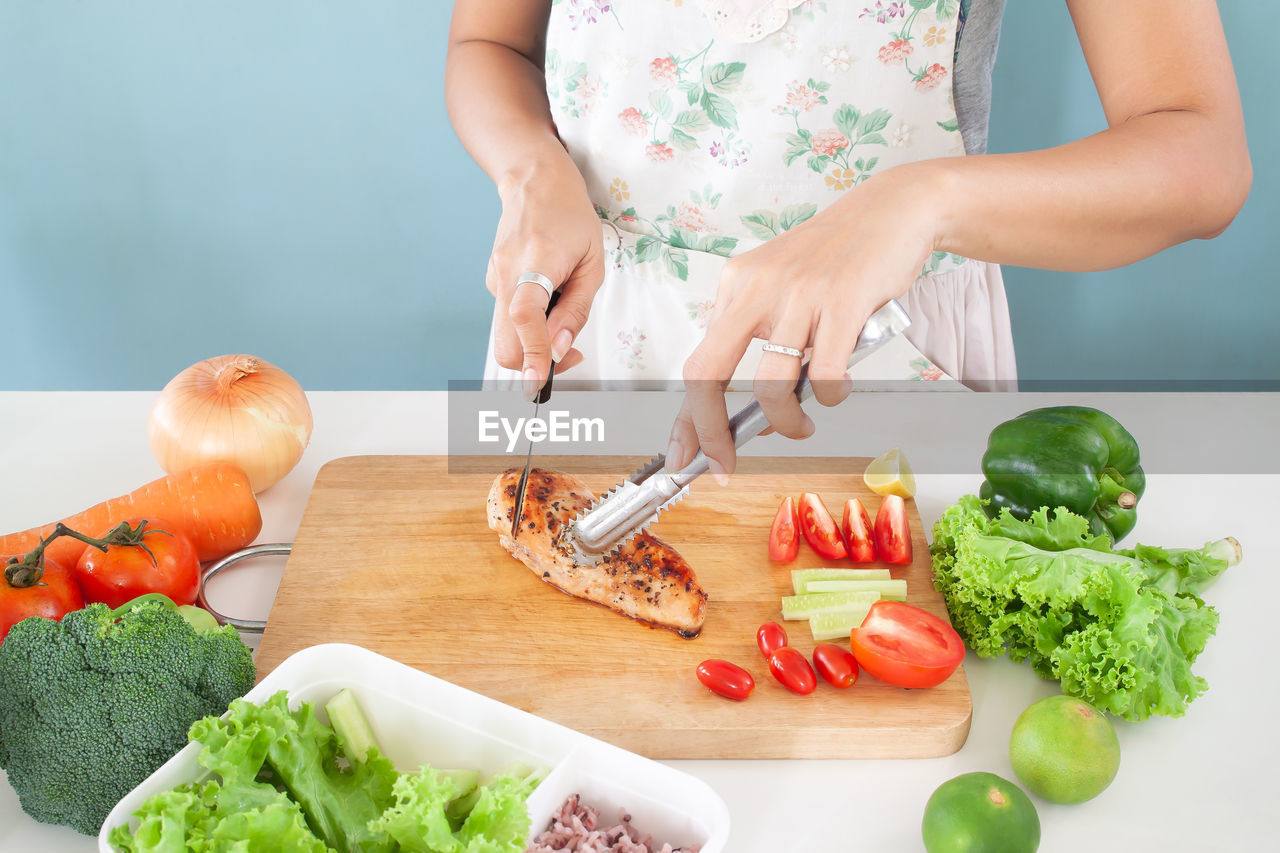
779 348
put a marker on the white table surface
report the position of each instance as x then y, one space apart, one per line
1205 782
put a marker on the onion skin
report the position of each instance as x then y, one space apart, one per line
232 408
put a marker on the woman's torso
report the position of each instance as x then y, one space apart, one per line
707 143
700 141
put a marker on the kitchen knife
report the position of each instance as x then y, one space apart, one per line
636 502
543 395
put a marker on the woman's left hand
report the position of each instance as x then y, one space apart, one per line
811 287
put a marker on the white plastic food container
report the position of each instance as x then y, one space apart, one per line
420 719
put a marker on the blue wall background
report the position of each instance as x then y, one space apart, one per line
185 179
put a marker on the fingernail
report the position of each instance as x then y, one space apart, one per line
809 428
675 457
848 384
717 470
560 345
530 382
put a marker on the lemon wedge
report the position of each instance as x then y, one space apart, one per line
890 474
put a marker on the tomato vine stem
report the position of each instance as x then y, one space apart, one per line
28 570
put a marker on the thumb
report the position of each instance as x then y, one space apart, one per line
572 310
527 313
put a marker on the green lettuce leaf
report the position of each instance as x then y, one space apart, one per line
416 819
166 821
339 799
1119 629
497 822
200 818
1180 570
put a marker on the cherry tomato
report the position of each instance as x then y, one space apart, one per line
789 665
836 666
784 542
857 532
819 528
770 637
53 597
893 531
125 572
726 679
901 644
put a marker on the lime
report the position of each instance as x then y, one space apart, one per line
980 813
1064 750
889 474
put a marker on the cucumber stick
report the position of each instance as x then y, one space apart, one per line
801 578
457 809
350 725
836 624
895 590
803 606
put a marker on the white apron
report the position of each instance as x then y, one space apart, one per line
705 128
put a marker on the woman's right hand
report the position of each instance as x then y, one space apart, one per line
548 226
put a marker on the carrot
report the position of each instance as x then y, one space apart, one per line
212 504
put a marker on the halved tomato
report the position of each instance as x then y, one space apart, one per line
857 532
906 646
819 528
893 531
784 542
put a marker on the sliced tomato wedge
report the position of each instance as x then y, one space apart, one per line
893 531
819 528
784 540
857 532
906 646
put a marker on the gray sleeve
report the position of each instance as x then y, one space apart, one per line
975 57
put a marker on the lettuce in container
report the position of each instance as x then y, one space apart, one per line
283 780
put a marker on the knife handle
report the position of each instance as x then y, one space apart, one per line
544 394
887 322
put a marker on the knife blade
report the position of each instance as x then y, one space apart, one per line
637 502
543 395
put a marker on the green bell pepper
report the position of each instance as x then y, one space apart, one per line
1065 456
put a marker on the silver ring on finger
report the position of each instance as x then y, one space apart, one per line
538 279
770 346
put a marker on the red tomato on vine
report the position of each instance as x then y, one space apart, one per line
51 594
160 561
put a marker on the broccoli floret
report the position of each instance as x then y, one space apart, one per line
91 705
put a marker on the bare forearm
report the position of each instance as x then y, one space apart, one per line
1173 164
1100 202
495 90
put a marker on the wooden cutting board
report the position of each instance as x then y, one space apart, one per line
394 554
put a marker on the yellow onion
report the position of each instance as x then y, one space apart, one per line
233 408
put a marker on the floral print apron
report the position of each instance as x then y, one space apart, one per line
705 128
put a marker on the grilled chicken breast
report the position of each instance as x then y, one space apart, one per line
646 579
